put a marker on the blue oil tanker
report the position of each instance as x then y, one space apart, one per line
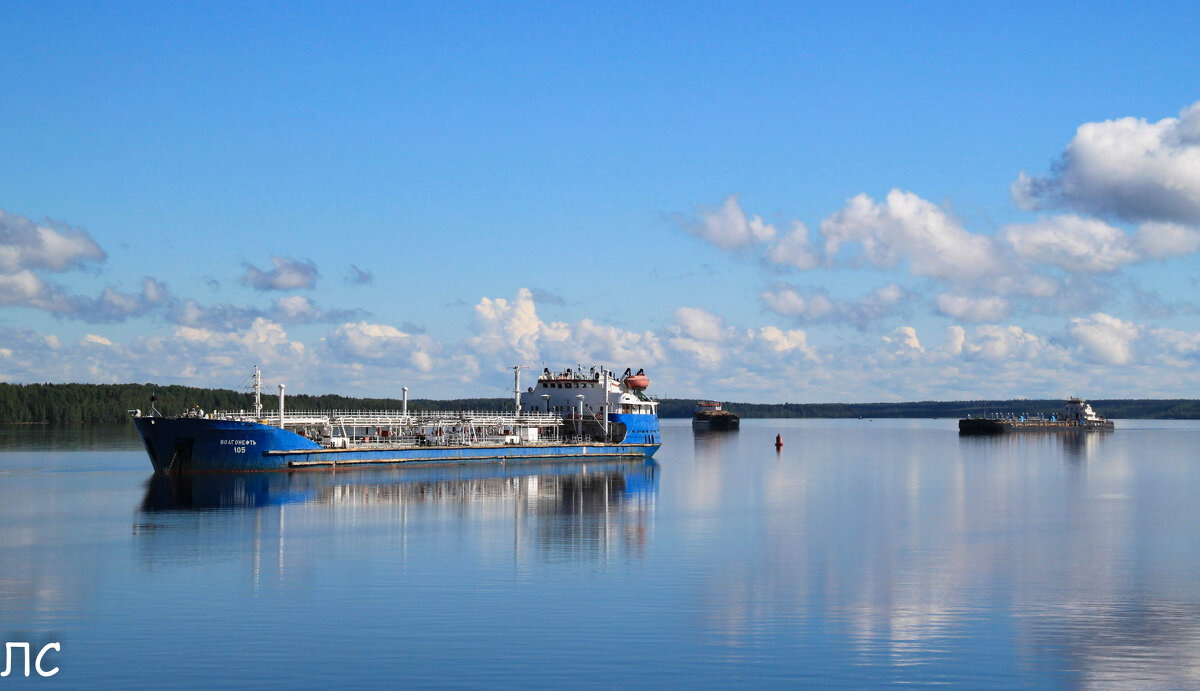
568 414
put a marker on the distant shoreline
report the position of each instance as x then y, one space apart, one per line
106 404
1112 408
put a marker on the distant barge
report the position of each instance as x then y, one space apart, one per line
709 415
1077 416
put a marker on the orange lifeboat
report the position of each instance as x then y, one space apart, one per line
637 382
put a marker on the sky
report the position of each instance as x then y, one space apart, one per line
760 202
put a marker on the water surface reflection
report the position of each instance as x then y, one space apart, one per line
1075 445
710 444
864 553
584 508
921 555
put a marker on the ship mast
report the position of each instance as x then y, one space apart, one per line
607 405
517 388
257 393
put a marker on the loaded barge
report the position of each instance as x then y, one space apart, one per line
1078 416
570 414
710 416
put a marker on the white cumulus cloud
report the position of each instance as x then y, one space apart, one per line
507 328
727 226
700 324
907 228
1129 168
23 288
287 274
956 336
25 244
604 343
512 325
1105 338
780 342
904 339
992 342
1176 348
973 309
815 305
376 342
1072 243
791 302
299 309
1156 240
28 248
700 334
794 249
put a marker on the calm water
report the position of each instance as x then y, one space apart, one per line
864 553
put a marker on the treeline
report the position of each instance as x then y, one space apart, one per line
1122 408
106 404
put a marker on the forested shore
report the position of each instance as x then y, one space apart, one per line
1113 408
106 404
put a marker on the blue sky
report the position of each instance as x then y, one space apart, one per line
758 202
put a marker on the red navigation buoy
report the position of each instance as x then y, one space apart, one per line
779 441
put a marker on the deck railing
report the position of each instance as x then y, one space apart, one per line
395 417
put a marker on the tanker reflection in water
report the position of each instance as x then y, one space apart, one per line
582 508
711 444
1076 445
